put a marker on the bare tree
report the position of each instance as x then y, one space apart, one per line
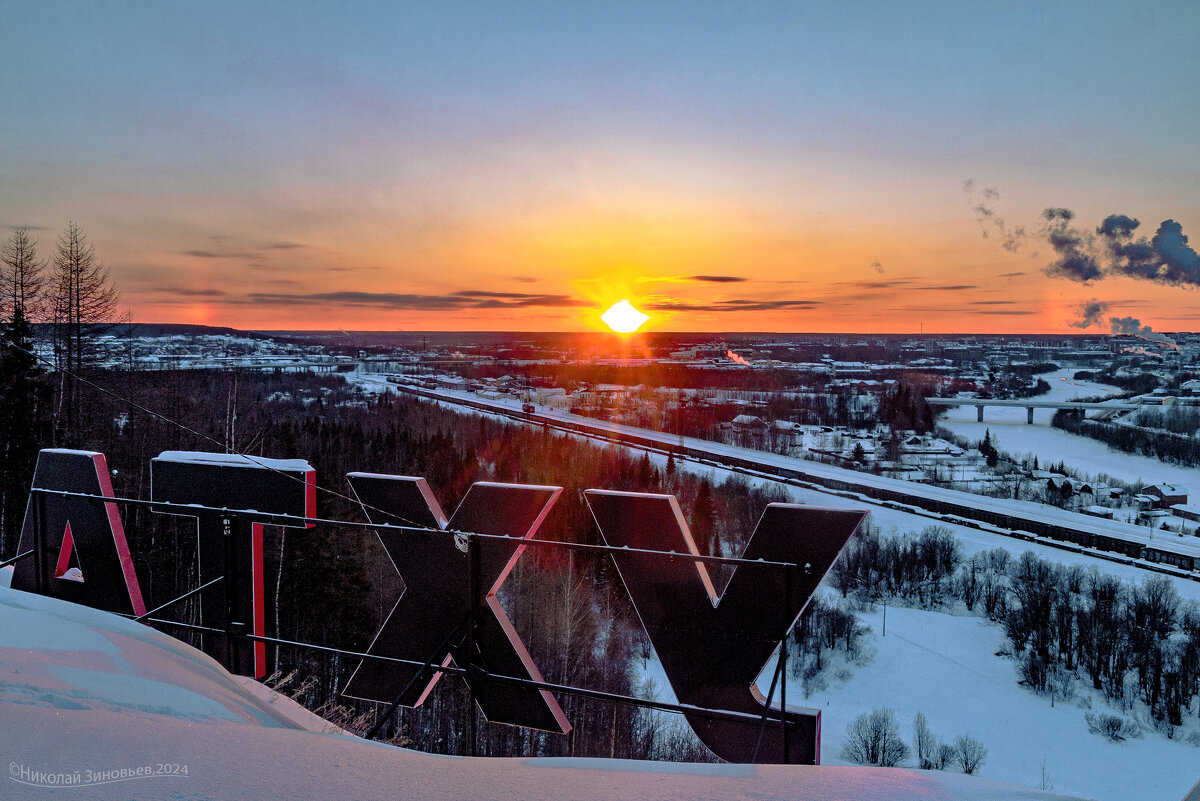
21 274
924 743
971 753
874 739
84 302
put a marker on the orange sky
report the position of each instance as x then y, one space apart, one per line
456 167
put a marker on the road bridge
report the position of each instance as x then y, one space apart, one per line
1029 405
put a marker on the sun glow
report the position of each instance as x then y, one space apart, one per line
623 318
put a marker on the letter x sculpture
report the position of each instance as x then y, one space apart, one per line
713 646
431 618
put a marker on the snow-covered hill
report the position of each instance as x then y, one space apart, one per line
87 698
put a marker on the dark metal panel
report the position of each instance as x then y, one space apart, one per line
435 607
713 647
245 491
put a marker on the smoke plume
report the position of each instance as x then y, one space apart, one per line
1011 236
1165 259
1076 260
1133 327
733 357
1090 313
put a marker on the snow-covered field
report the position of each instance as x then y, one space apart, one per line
95 706
945 666
1010 433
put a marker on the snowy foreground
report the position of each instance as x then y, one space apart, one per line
95 706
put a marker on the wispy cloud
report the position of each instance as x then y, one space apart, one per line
888 284
467 299
738 305
212 254
946 288
717 279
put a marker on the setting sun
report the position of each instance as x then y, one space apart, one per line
623 318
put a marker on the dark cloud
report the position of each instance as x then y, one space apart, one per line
415 302
1090 313
1075 261
717 279
740 305
1011 237
1181 265
877 266
1136 259
1166 258
993 302
1010 275
284 246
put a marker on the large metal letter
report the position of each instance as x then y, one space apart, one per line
80 533
431 617
249 490
713 646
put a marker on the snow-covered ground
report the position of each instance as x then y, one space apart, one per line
1010 433
95 706
945 666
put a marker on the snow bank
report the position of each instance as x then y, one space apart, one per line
91 699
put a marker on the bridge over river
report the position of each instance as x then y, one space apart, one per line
1030 405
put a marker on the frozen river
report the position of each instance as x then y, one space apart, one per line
1010 433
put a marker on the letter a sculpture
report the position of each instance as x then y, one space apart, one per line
713 646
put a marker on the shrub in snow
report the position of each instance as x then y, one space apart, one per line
874 739
971 753
946 755
1114 727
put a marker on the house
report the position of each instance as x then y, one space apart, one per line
1060 484
1168 494
1186 511
749 422
1143 501
1099 511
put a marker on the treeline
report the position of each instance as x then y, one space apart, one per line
1164 445
1064 623
1136 384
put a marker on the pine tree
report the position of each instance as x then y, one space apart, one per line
84 302
702 524
24 402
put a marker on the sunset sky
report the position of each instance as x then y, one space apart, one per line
521 166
